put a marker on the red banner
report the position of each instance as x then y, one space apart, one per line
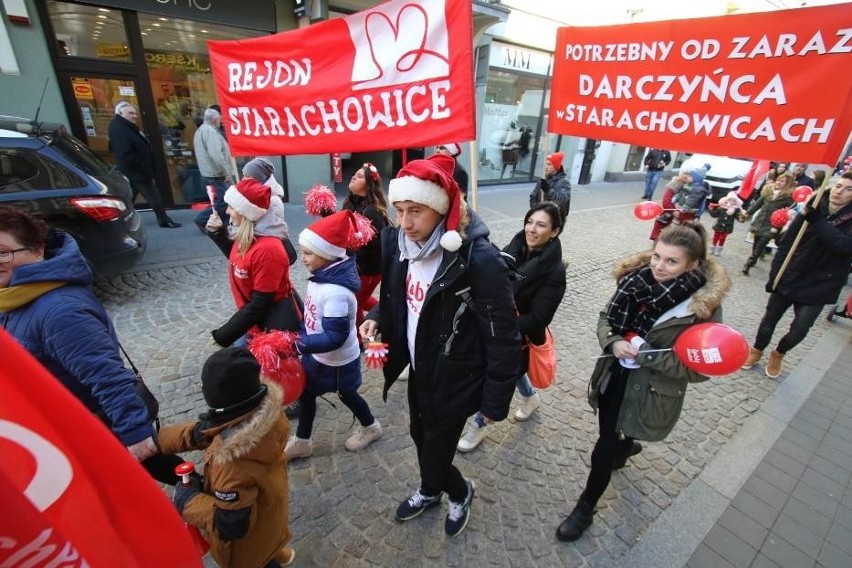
72 495
773 85
399 74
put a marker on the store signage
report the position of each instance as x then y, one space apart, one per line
251 14
746 85
191 63
351 84
515 58
82 89
112 50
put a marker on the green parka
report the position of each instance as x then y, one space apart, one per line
245 470
656 390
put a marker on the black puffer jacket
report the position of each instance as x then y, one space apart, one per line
478 370
539 293
132 150
369 257
820 266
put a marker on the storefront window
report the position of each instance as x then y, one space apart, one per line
509 119
634 159
182 83
86 31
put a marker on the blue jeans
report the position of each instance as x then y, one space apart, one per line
221 206
651 179
525 389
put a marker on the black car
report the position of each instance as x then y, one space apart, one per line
54 176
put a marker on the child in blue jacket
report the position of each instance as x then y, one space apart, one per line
331 354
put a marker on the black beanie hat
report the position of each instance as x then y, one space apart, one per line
230 382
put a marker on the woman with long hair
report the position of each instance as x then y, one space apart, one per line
366 196
259 268
537 252
659 295
774 196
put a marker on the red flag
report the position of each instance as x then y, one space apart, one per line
757 169
397 75
72 495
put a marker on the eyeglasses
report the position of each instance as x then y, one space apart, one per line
9 255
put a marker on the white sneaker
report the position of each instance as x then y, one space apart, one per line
528 406
364 436
298 448
472 436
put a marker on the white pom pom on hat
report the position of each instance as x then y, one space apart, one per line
249 198
430 182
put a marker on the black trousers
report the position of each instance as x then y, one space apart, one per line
436 449
609 446
804 316
149 190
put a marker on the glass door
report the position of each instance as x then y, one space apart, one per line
96 99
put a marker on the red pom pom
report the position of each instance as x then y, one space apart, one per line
376 355
779 218
320 201
279 360
363 232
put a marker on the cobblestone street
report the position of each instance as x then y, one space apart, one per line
528 475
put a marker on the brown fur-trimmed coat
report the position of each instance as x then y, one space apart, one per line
244 467
654 399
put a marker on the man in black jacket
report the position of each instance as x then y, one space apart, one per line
445 308
655 162
800 172
133 157
816 273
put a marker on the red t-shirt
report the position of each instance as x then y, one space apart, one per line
264 268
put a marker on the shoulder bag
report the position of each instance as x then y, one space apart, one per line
142 390
542 365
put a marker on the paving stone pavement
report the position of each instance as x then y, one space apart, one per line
528 475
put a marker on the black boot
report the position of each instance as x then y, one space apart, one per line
748 264
577 522
621 461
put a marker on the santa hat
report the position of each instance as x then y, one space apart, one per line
250 198
555 159
453 148
430 182
332 236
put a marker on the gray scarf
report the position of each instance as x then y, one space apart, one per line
412 252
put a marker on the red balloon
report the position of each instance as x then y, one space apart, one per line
779 218
712 349
802 193
647 210
291 379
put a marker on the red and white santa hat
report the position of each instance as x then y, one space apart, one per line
430 182
249 198
332 236
453 148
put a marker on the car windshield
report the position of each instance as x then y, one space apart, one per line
79 155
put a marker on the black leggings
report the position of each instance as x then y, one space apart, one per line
804 316
308 410
609 446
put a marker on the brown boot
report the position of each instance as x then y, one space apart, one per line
754 356
773 367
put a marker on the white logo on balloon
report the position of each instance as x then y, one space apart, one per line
53 472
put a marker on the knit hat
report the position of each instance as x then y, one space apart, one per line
555 159
697 175
453 148
430 182
259 169
331 236
230 382
249 197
